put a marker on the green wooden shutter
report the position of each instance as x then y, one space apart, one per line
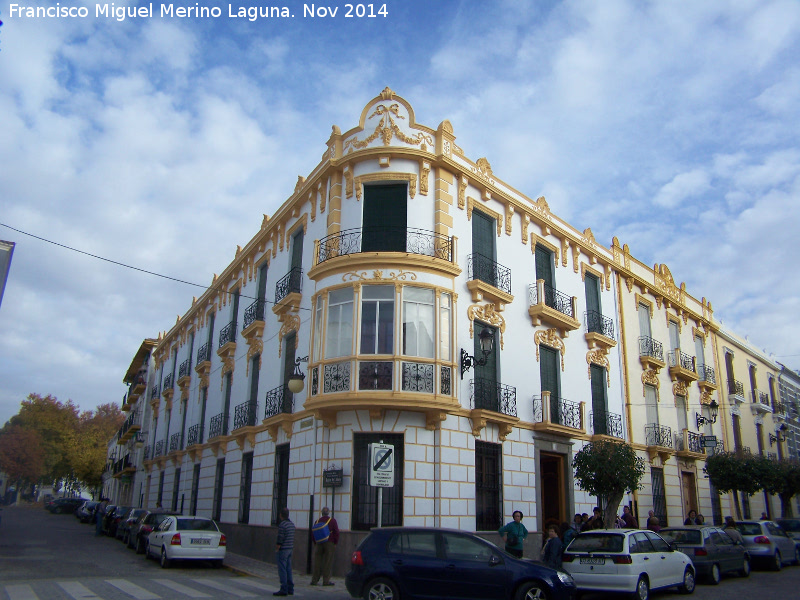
483 248
385 218
599 399
544 265
297 250
548 372
592 286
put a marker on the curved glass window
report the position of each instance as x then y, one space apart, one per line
377 319
418 322
339 332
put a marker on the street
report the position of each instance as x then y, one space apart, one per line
54 557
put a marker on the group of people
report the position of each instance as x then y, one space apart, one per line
325 537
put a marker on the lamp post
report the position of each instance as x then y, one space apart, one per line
486 339
297 379
776 437
714 408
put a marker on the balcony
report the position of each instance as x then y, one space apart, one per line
736 391
175 442
218 426
279 404
167 390
253 315
385 239
123 467
707 378
599 330
154 397
227 335
651 354
125 407
129 428
681 367
185 370
137 388
159 451
658 440
488 280
203 366
288 291
245 415
375 375
558 415
492 402
195 435
689 444
548 306
606 424
760 403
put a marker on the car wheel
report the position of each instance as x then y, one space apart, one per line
164 559
140 546
381 588
687 587
714 576
147 554
777 562
642 589
531 591
745 570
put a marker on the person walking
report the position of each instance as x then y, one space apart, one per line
733 533
551 552
99 515
514 534
324 549
284 546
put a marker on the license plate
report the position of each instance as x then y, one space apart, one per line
201 542
592 560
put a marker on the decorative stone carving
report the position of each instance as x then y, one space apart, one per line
550 337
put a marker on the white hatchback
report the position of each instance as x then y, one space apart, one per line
186 538
627 560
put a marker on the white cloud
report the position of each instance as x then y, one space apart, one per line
682 187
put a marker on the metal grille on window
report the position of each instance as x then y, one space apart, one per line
488 486
374 375
314 381
444 384
365 497
659 495
337 378
418 377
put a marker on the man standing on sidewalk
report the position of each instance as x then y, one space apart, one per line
283 550
99 515
325 549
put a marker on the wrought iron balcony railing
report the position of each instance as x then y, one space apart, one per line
485 269
552 298
385 239
650 347
185 369
445 385
154 392
375 375
175 442
227 334
336 378
682 360
254 312
597 323
159 451
707 373
486 394
218 426
245 415
693 442
606 423
204 353
658 435
167 383
195 435
418 377
735 388
291 283
763 398
561 412
279 400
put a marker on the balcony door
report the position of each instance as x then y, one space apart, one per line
644 320
385 218
548 372
487 377
599 418
483 248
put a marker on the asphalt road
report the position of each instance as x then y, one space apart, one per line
53 557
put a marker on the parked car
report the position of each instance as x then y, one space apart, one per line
143 526
628 561
768 544
792 527
114 519
186 538
128 519
712 551
85 512
107 517
410 562
65 505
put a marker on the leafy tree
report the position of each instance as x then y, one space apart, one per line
778 477
94 431
608 469
730 472
21 456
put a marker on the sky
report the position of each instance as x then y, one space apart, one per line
159 142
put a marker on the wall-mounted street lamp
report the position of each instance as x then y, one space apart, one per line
778 438
486 339
714 408
297 379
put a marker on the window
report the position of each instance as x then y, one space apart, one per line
280 481
445 326
461 547
339 333
160 497
700 353
549 376
639 544
644 320
680 405
262 282
543 258
227 408
483 248
674 336
365 497
184 410
385 218
203 404
175 490
488 486
377 319
651 404
599 400
659 495
658 543
318 316
418 321
211 318
244 488
254 374
413 543
195 489
219 482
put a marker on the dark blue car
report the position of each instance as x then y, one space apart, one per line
419 562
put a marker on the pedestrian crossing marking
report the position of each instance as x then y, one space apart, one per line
223 588
257 585
132 589
20 592
78 590
177 587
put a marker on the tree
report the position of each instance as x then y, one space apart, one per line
94 431
608 470
21 455
729 472
778 477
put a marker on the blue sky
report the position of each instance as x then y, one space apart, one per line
160 143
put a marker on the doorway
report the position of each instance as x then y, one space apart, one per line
689 492
552 486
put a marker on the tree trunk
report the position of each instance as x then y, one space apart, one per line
786 506
610 509
736 504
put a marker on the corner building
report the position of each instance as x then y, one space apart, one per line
381 278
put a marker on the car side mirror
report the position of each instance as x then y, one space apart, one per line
494 560
673 546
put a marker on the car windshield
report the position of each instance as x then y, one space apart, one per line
789 524
196 525
597 542
749 528
682 536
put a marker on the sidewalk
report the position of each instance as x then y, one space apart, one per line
269 572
